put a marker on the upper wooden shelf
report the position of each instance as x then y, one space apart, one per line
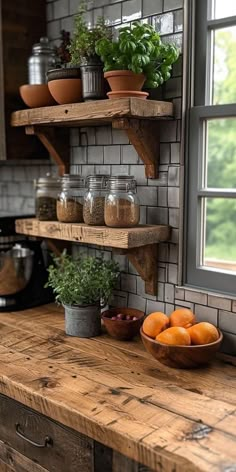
138 118
92 113
123 238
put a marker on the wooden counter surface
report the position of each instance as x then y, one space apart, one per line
114 392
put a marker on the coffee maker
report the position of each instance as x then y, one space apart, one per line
23 269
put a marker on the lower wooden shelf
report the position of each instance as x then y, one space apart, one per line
139 243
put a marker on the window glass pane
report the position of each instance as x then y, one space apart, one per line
221 154
224 66
224 8
219 249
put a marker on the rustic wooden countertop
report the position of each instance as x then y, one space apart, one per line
170 420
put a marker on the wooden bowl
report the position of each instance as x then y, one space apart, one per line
181 357
124 330
36 96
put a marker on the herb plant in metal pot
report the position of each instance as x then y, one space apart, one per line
83 53
82 286
138 57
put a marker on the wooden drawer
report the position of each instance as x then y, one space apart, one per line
66 450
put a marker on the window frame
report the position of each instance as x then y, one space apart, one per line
200 110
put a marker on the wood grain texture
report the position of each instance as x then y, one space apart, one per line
14 461
68 451
115 393
92 113
100 235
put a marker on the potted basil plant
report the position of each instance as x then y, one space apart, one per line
138 57
82 286
83 53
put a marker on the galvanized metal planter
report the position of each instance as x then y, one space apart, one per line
82 321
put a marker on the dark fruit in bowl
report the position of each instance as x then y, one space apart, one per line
123 323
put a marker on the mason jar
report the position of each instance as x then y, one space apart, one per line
70 199
94 200
122 208
47 189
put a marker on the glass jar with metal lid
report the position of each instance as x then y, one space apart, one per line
47 189
122 204
94 200
70 199
43 58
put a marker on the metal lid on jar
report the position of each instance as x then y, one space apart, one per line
97 181
48 181
122 182
43 47
72 181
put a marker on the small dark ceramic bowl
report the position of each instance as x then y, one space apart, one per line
181 357
64 73
124 330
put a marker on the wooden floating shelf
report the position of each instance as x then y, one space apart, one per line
138 118
92 113
139 244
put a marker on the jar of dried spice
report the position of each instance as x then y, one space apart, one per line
70 199
121 204
47 189
94 200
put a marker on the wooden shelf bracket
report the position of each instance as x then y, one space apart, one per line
144 136
56 141
144 260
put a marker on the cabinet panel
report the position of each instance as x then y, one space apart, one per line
68 450
20 27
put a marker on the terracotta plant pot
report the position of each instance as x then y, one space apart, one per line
127 93
66 90
35 96
124 80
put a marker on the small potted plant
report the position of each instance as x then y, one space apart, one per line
83 53
64 82
82 286
138 57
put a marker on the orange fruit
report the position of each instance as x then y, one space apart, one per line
182 317
174 336
203 333
155 323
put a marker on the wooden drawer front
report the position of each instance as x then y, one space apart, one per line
69 451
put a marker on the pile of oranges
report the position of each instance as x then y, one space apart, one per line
181 328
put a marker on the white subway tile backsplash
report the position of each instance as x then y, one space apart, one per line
155 306
112 155
152 7
128 154
204 313
219 302
135 301
53 29
103 135
196 297
119 137
147 196
227 321
113 14
173 197
172 4
95 155
128 283
131 10
61 9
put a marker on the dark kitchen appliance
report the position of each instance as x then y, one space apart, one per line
23 269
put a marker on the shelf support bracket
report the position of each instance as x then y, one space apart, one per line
144 136
144 260
56 141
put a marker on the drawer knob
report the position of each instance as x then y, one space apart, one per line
47 441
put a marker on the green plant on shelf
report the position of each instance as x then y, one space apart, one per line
82 281
84 39
139 49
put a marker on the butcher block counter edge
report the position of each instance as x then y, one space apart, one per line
167 419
